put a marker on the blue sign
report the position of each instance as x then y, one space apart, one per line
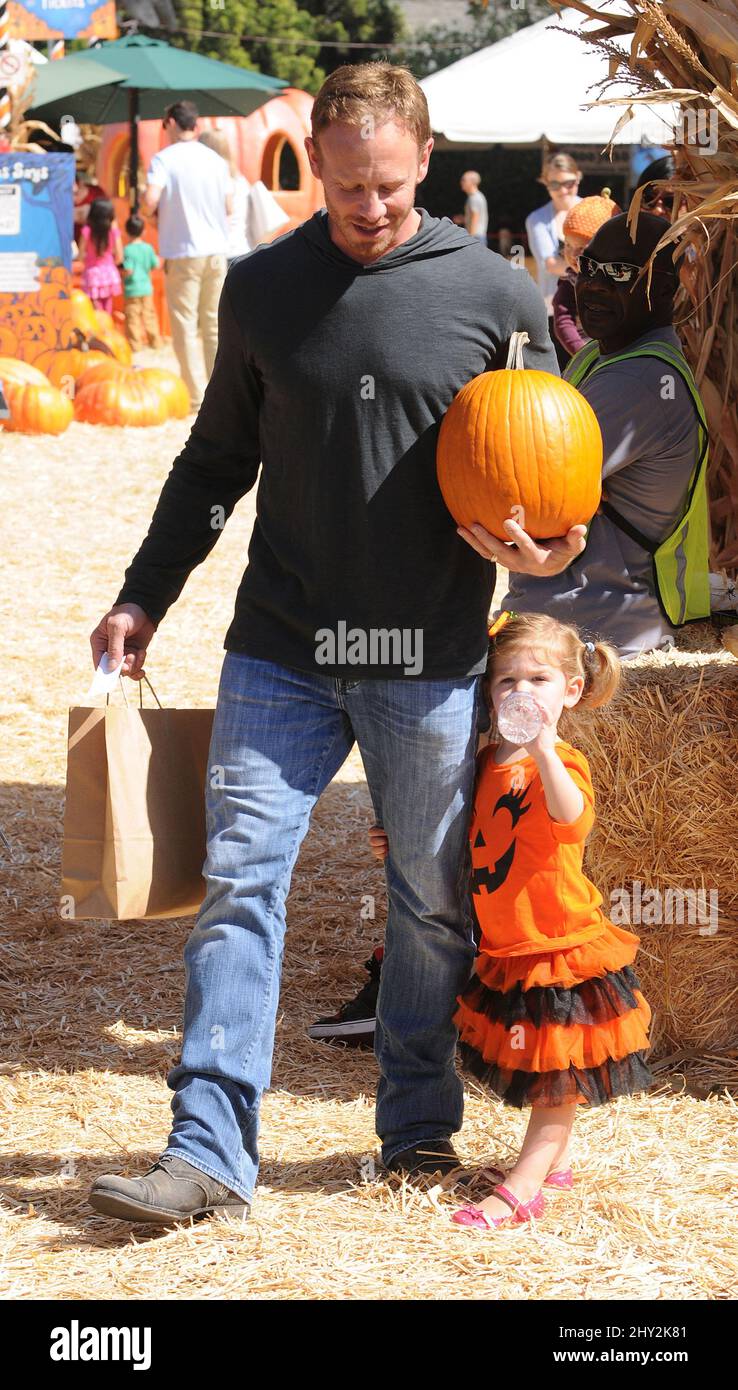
36 214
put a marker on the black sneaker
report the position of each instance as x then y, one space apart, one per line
354 1022
429 1156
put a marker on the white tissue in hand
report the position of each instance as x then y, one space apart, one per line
105 676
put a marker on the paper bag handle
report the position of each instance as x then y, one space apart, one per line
140 692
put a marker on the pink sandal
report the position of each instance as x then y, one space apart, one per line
564 1180
520 1212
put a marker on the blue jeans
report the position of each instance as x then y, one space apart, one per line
279 737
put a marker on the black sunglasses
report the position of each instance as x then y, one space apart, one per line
621 272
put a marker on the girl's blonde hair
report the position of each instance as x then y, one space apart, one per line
218 141
561 645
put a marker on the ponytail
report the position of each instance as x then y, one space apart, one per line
601 665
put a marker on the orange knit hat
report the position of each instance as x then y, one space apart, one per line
585 218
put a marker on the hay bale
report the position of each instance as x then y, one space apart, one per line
663 757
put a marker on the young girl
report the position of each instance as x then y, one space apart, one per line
101 247
553 1016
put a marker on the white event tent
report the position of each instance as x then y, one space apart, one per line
533 86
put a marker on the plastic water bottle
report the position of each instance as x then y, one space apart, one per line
519 718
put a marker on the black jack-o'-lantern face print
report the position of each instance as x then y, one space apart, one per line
488 878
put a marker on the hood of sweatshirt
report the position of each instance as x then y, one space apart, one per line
436 236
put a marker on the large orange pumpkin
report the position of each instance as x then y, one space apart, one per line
36 407
171 387
105 369
15 370
69 364
122 400
520 439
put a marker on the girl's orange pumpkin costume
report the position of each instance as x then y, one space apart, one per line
554 1013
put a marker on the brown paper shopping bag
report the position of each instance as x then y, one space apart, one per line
134 818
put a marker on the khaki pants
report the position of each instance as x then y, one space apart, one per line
193 286
142 325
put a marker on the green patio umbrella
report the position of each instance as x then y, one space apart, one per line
74 85
154 74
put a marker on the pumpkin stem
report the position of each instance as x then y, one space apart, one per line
515 354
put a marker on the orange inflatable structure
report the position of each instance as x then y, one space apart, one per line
268 145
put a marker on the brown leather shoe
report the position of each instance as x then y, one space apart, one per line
172 1190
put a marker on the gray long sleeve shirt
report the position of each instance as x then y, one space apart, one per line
650 437
335 377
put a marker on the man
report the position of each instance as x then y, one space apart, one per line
639 577
362 616
188 188
476 215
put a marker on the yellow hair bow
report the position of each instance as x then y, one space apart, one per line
500 622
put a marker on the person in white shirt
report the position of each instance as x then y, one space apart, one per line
476 215
239 187
188 187
544 229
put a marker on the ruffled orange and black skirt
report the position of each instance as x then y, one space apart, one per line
558 1028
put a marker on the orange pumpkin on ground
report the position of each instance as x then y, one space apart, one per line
122 400
15 370
105 321
83 314
69 364
104 370
36 407
118 344
171 387
520 439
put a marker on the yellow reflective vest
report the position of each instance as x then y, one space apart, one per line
681 566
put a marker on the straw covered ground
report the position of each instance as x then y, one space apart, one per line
91 1010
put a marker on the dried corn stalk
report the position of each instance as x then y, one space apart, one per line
686 51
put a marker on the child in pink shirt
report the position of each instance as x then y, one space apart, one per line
101 246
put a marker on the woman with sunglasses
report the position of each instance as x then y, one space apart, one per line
544 229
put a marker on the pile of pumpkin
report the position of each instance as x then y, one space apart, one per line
61 359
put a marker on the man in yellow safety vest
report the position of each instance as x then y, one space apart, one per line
644 571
